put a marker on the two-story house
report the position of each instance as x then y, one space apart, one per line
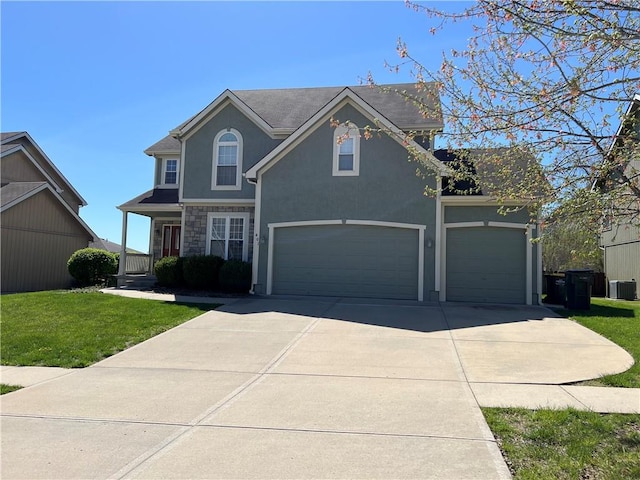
266 176
40 221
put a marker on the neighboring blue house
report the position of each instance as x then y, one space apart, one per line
264 176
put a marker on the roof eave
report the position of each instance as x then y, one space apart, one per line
83 202
158 207
187 129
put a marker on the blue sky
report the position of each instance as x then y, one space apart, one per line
95 83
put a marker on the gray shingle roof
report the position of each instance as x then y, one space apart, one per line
493 168
167 145
289 108
157 196
15 190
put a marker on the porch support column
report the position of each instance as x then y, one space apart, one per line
123 246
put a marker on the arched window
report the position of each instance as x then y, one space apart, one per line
227 160
346 150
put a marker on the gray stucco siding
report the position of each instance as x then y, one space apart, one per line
199 154
301 187
455 214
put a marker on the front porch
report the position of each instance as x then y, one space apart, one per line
165 213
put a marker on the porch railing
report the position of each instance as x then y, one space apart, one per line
137 263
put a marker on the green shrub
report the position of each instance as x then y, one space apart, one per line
235 276
201 271
168 271
92 266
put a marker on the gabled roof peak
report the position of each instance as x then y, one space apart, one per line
280 111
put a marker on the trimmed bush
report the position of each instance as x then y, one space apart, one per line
168 271
235 276
92 266
201 271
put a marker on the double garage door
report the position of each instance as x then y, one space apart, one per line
483 264
346 261
486 265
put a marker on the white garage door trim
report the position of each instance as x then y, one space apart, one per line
420 228
528 253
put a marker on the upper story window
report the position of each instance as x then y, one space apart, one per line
346 150
170 171
227 160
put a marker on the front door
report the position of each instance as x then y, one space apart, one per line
171 241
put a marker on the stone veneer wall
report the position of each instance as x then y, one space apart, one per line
195 234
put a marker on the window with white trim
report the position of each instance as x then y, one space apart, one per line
227 160
228 235
346 150
170 171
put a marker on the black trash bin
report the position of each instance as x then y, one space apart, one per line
578 285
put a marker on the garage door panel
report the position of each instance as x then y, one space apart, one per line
346 260
486 264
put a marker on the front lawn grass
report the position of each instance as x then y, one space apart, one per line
77 328
567 444
619 321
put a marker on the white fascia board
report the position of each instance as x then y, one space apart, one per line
376 223
464 224
162 153
83 202
57 196
520 226
167 207
226 98
344 97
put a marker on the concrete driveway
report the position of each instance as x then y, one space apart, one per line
290 388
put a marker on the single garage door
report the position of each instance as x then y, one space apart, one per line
346 261
486 264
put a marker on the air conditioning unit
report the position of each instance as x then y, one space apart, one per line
622 290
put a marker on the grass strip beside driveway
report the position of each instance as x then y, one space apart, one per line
567 444
570 444
74 329
619 321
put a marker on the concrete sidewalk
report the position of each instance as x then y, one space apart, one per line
286 388
502 395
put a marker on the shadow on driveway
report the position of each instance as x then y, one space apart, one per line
405 315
